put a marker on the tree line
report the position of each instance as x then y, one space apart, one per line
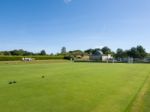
21 52
135 52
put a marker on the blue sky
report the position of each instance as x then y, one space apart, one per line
77 24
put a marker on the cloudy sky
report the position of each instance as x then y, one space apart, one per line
77 24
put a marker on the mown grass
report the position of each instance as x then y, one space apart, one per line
33 62
146 99
69 87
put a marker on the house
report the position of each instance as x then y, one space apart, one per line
96 56
107 57
99 56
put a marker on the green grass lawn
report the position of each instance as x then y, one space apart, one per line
146 99
70 87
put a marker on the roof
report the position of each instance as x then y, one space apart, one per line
98 53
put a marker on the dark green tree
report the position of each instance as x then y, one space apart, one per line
19 52
6 53
137 52
119 53
63 50
43 52
141 52
106 50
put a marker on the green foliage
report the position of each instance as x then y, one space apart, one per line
91 51
137 52
68 57
47 57
43 52
10 58
19 52
63 50
119 53
106 50
76 52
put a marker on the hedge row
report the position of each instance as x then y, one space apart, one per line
19 58
10 58
47 57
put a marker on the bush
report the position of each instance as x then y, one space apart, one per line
67 57
10 58
47 57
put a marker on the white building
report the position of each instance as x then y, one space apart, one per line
106 57
99 56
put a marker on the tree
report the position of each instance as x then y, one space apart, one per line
19 52
132 52
63 50
1 53
6 53
106 50
141 53
27 53
76 52
89 51
42 52
137 52
119 53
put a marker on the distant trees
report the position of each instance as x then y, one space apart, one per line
21 52
135 52
119 53
141 51
106 50
5 53
63 50
90 51
76 52
43 52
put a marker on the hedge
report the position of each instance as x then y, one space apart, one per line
19 58
47 57
10 58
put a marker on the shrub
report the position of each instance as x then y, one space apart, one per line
47 57
10 58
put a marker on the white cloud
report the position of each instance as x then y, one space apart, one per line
67 1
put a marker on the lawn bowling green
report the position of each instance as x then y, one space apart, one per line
73 87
